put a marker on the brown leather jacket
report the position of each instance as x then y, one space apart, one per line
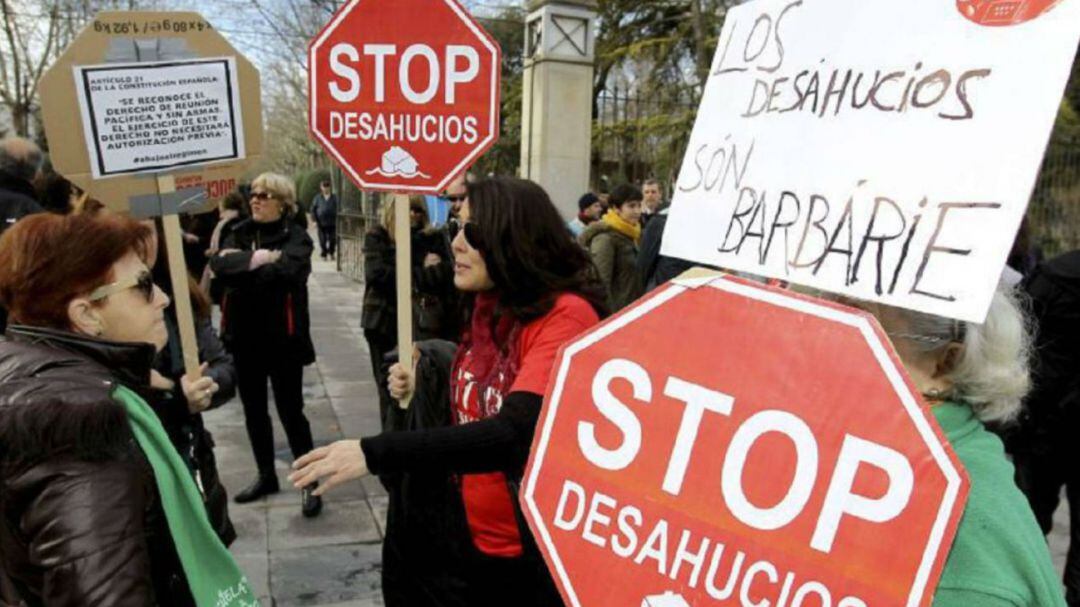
81 521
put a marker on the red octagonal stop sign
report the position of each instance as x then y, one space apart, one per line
726 443
404 93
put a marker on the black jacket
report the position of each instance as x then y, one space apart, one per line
82 519
1051 416
423 553
656 269
17 200
264 312
434 296
325 209
187 432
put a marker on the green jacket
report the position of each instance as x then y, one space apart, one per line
615 256
999 557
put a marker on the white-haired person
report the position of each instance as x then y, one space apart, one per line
263 265
971 374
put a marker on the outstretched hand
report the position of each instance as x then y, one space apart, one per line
332 465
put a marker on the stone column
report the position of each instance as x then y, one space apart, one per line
556 131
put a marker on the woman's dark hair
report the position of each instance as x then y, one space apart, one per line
623 194
200 301
530 254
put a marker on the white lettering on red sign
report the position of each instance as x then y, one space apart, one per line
840 498
345 64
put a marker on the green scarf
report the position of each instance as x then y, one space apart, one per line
212 575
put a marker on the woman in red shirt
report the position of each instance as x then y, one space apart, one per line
532 289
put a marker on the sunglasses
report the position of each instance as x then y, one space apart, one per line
456 197
143 282
473 235
262 195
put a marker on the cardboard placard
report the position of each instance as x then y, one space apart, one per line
883 150
152 92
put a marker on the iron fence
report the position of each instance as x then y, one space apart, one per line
1054 213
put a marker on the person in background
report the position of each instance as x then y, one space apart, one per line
97 507
264 265
653 202
179 404
653 268
325 208
589 210
529 290
1045 444
455 194
57 194
971 375
613 243
20 166
432 278
230 212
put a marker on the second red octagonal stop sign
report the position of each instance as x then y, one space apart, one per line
404 93
727 443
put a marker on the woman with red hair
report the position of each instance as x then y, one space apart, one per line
97 506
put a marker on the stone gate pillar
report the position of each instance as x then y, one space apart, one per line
556 131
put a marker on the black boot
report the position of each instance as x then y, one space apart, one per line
310 504
265 484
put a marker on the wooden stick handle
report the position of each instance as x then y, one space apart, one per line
185 318
403 248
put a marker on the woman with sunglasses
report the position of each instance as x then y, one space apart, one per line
263 265
433 289
529 289
98 508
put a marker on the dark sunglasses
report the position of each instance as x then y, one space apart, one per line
473 235
456 197
143 282
262 195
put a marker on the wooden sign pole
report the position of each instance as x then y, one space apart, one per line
185 318
403 248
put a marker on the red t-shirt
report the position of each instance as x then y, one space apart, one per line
488 504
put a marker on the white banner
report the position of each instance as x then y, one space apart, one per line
880 149
155 116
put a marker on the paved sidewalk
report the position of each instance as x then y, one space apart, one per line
335 559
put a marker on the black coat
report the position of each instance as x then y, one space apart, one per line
264 312
187 432
17 200
82 520
434 296
426 531
656 269
1051 417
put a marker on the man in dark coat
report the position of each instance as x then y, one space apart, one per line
1045 445
20 164
325 208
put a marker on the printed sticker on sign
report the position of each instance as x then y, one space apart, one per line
156 116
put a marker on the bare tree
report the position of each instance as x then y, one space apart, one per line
29 41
